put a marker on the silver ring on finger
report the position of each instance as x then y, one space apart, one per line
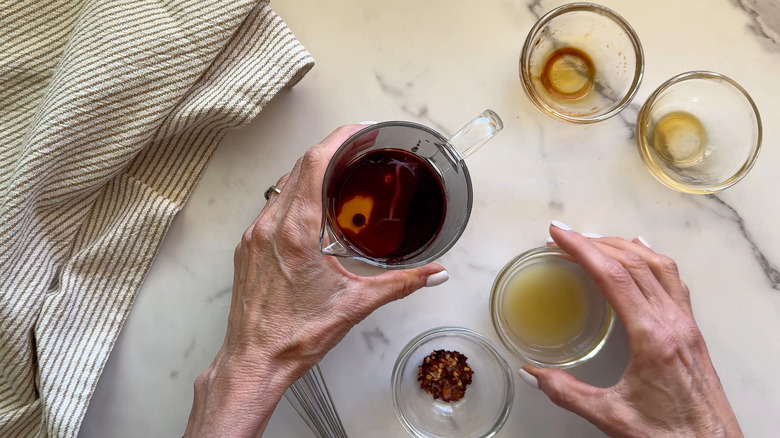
271 190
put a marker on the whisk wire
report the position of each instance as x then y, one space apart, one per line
311 398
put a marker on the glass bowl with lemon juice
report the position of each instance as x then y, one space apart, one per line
548 311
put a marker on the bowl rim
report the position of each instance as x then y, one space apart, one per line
544 251
525 67
472 335
644 149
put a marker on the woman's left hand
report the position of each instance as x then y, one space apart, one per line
291 304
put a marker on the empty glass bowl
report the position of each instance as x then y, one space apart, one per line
548 311
484 408
581 63
699 132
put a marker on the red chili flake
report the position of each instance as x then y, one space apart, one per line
445 374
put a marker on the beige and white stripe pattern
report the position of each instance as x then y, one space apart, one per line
109 113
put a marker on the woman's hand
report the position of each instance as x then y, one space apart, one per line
670 388
290 304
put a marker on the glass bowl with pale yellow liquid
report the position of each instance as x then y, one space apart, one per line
581 63
699 132
548 311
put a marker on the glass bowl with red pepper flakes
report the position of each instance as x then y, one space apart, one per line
445 375
445 409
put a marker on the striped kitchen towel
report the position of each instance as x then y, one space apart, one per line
109 113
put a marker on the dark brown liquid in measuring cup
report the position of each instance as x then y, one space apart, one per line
388 203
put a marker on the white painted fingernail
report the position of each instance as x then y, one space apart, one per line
437 279
367 122
550 240
643 241
528 378
561 225
592 235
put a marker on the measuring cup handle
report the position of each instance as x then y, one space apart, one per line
476 133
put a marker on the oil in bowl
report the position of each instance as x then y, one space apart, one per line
699 132
680 139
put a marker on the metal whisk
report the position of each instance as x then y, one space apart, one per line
310 397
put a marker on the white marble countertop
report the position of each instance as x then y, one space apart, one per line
440 63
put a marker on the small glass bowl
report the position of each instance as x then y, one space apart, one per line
610 43
484 408
597 325
715 150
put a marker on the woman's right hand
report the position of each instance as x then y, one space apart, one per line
670 387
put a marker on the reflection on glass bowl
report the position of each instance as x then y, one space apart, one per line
487 402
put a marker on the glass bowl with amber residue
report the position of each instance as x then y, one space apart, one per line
581 63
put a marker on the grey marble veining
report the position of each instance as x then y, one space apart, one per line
388 88
374 338
421 113
536 9
770 268
219 295
628 116
765 19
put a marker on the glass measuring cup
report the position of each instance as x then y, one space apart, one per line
398 195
